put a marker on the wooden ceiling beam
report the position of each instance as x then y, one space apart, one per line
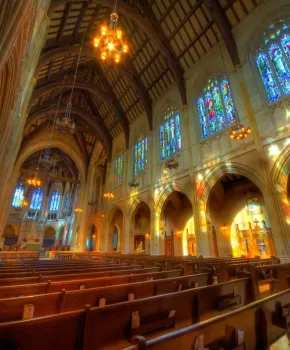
85 87
100 131
63 22
128 71
154 32
225 29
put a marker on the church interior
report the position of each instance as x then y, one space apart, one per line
144 174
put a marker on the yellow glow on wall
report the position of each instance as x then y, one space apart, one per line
274 151
242 219
189 227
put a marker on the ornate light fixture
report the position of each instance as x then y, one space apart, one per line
78 210
23 203
240 132
110 40
34 181
172 163
109 194
133 183
66 124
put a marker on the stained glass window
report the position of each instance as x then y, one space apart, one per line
54 201
18 196
170 134
36 199
215 106
140 156
66 202
118 171
273 60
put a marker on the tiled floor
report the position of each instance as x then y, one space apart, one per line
281 344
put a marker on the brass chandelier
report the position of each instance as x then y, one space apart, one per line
240 133
110 40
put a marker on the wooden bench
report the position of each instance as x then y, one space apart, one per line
74 276
46 304
263 324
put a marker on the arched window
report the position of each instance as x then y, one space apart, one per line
54 201
36 199
18 196
273 60
170 134
215 106
66 203
118 171
140 156
115 239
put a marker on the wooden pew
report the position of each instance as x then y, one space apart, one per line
67 271
262 322
58 286
74 276
58 332
190 306
11 309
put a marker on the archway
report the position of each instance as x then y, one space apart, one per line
116 234
91 238
177 225
49 237
9 235
140 226
238 218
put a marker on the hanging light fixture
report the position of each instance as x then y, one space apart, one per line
240 132
110 40
172 163
23 203
109 194
133 183
78 210
66 124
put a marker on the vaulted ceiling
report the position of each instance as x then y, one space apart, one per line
166 37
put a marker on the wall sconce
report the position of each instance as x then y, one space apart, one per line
94 236
78 210
147 236
179 233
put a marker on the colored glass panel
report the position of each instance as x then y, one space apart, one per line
66 202
267 77
118 171
211 112
218 105
285 41
54 201
36 199
18 196
282 69
228 101
202 118
170 134
140 156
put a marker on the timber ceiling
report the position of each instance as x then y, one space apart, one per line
166 37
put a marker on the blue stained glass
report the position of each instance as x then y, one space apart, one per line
66 202
228 101
285 41
267 77
54 201
118 171
140 156
36 199
162 142
18 196
281 67
170 134
211 112
202 118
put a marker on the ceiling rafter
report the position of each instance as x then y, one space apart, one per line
86 87
101 132
128 71
154 33
225 29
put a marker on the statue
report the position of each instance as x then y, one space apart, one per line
139 248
